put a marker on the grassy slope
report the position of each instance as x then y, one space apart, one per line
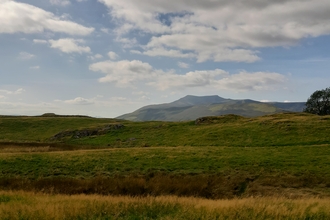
208 159
277 130
274 130
295 161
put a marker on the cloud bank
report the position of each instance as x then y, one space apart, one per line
221 31
20 17
127 73
69 45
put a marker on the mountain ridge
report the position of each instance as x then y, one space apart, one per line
192 107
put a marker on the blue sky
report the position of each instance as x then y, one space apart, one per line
105 58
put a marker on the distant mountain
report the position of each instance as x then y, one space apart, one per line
192 107
290 106
190 100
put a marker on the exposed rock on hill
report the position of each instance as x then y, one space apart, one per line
53 115
76 134
218 119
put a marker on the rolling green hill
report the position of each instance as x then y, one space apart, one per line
284 129
212 157
192 107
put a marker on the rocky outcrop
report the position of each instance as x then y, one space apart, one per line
218 119
53 115
76 134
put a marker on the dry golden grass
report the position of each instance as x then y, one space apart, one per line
22 149
24 205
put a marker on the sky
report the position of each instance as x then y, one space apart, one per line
105 58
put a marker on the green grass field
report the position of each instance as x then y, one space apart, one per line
293 160
275 130
283 156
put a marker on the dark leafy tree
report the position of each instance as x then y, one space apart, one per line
319 102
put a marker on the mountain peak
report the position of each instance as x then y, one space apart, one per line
200 100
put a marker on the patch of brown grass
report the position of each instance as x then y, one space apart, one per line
12 149
23 205
9 147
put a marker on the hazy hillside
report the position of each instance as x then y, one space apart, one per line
290 106
192 107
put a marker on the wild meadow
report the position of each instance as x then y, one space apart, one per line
228 167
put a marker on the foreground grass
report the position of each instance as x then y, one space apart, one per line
293 160
22 205
210 172
218 157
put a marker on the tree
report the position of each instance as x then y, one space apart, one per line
319 102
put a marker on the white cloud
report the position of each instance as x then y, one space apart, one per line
19 91
140 93
112 55
123 73
183 65
38 41
77 101
203 50
144 98
119 99
127 42
129 73
16 92
222 31
154 52
25 56
236 55
96 57
60 2
35 67
256 81
161 51
66 16
105 30
141 19
286 101
21 17
135 51
190 79
69 45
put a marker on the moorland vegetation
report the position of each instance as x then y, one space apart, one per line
274 167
